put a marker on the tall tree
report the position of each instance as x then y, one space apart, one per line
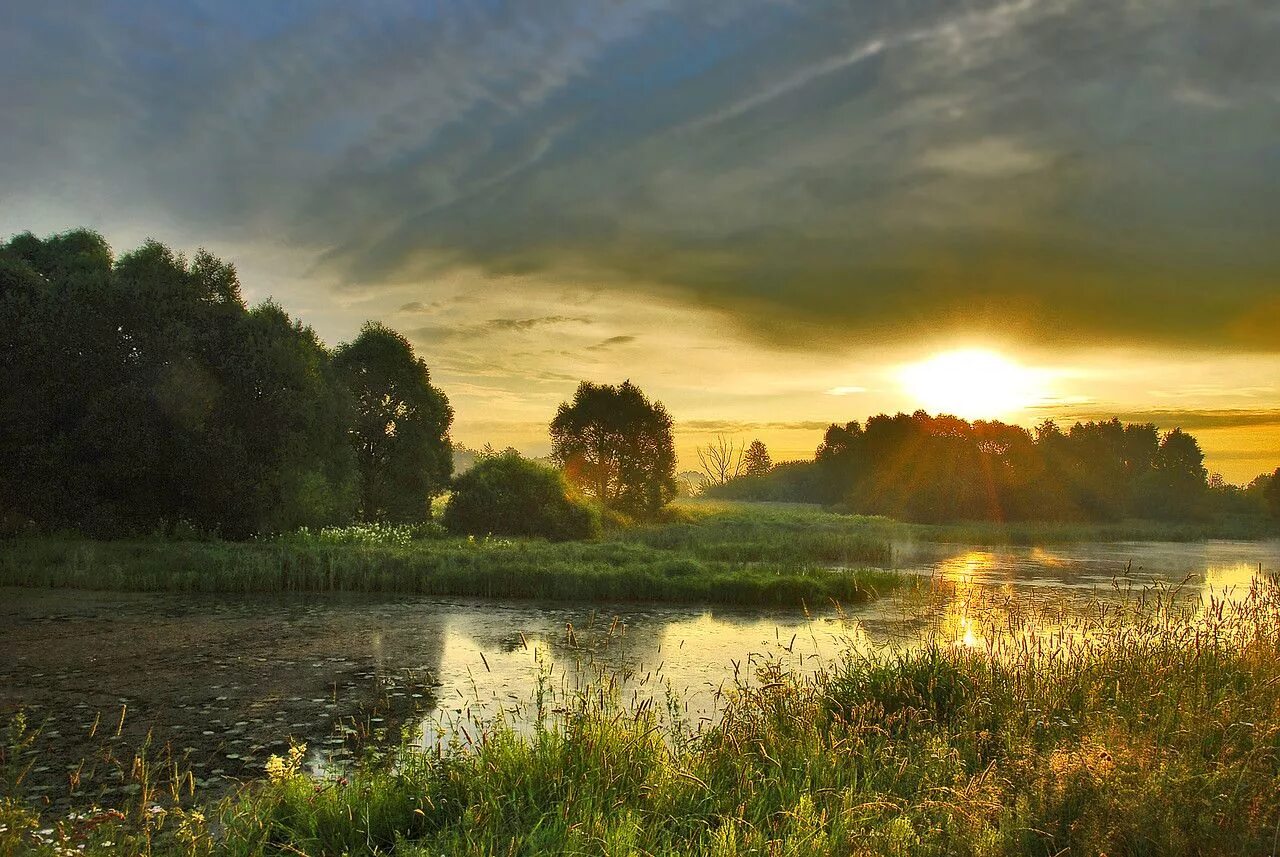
756 460
142 391
401 433
1177 482
616 446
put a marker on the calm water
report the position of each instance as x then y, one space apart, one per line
227 682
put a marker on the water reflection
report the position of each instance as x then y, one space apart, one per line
230 681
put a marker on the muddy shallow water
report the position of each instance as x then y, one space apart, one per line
226 681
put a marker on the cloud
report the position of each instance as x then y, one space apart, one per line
846 391
622 339
437 332
1054 171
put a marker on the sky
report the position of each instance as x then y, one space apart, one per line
769 215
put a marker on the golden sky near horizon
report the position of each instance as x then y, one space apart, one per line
769 214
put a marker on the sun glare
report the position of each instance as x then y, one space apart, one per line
973 383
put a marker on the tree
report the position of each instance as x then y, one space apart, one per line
1177 483
721 460
1271 494
507 494
141 391
756 461
616 445
401 429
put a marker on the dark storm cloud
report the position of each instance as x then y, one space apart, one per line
1059 170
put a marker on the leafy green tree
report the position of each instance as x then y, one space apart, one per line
401 431
140 392
756 460
616 446
507 494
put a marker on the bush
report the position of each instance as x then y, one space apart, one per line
512 496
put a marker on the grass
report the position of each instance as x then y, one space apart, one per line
706 551
750 571
788 520
1152 729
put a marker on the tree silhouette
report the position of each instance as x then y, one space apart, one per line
756 461
721 460
616 446
401 430
1271 494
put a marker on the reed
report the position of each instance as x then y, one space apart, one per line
1148 728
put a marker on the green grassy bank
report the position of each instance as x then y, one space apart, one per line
751 559
1158 732
706 551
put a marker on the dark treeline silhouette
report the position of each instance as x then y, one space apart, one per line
142 392
926 468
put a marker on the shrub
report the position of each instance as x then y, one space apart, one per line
512 496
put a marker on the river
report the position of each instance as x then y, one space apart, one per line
226 681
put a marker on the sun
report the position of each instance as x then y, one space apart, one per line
973 383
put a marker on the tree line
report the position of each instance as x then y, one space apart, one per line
142 394
925 468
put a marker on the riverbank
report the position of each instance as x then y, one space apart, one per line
1160 734
706 552
705 557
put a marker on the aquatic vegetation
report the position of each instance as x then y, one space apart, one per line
1151 728
748 559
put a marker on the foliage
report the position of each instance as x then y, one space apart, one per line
401 433
141 390
369 533
616 446
786 482
141 394
506 494
714 554
1271 494
924 468
756 460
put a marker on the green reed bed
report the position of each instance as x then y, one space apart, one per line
609 571
1154 729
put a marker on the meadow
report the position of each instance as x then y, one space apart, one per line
1152 727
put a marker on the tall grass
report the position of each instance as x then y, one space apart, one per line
489 568
1152 729
710 516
